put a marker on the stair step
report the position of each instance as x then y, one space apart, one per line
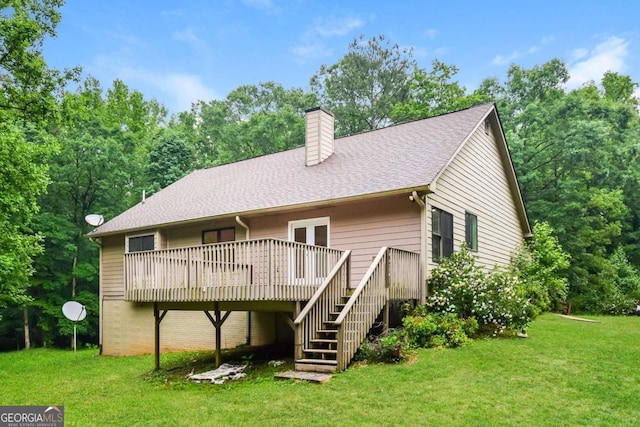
323 341
302 365
327 331
320 350
318 361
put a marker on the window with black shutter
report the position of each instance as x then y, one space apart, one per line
441 234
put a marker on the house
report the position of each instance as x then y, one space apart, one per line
310 245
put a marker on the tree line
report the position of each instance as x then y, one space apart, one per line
65 153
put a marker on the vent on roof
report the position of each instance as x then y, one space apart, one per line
318 135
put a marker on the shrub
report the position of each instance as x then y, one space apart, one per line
497 299
425 330
388 348
540 264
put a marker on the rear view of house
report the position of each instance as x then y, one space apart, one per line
310 245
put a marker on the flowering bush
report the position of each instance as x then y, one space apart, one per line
497 298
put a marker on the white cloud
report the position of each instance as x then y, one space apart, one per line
431 33
179 89
184 89
508 59
578 54
313 42
608 55
336 27
187 35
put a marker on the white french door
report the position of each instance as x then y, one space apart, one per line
308 266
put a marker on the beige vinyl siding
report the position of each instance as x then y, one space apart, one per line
191 235
475 182
112 264
363 227
127 327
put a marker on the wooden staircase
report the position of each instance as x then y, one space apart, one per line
321 354
335 321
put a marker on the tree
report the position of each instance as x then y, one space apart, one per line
23 176
364 85
28 86
27 105
169 160
434 93
100 168
253 120
567 149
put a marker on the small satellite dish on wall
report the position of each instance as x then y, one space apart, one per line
94 219
75 312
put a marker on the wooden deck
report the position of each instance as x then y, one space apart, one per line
334 319
251 270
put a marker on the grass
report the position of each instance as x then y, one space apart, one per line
566 373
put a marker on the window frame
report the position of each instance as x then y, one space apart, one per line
140 236
441 235
218 232
471 231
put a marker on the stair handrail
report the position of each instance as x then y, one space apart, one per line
361 286
327 281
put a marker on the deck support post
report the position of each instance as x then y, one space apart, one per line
157 319
297 331
217 323
218 334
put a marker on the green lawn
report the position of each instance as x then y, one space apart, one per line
566 373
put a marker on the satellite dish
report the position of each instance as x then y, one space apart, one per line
74 311
94 219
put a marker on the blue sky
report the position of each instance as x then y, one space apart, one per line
179 52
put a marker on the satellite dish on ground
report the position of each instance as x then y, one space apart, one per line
94 219
75 312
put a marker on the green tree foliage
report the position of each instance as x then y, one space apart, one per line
363 86
28 86
433 93
251 121
541 265
27 104
169 160
100 168
575 153
23 176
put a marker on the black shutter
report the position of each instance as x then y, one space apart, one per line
446 228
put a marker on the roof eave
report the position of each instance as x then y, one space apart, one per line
427 188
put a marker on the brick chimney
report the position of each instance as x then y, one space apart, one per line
318 135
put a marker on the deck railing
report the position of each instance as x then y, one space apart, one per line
250 270
317 310
393 275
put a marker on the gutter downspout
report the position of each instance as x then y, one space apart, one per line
415 197
244 225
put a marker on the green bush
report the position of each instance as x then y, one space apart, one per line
541 264
425 330
388 348
497 299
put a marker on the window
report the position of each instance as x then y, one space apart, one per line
219 235
141 243
471 231
441 234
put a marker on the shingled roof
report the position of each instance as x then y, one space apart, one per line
402 157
